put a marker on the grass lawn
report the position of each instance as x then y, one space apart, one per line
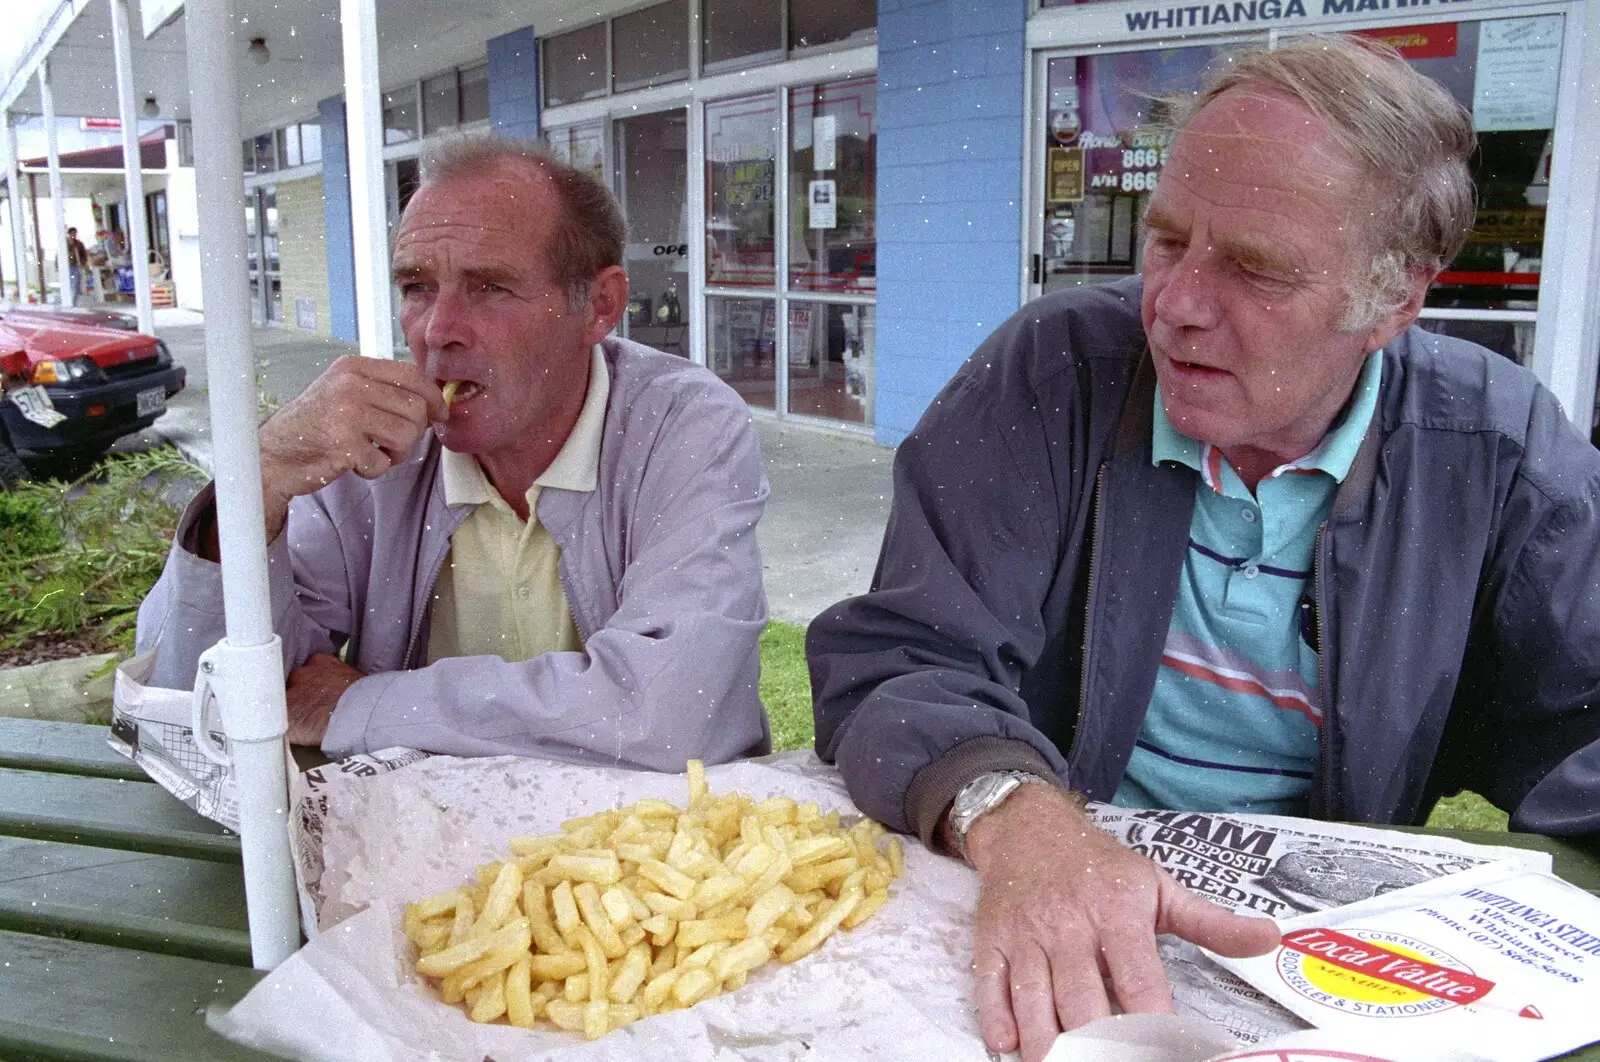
786 689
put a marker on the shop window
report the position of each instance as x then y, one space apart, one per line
266 154
833 141
831 368
650 47
289 145
582 146
740 349
741 167
1104 147
814 22
441 103
1506 72
475 93
311 142
249 157
400 115
740 29
650 154
575 65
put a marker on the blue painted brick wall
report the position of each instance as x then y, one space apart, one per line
514 85
341 242
950 100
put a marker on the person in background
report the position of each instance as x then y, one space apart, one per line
560 560
1234 535
77 262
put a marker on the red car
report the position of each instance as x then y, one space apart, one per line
71 390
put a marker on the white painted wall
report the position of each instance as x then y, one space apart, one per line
183 225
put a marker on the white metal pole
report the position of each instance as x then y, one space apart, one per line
58 200
132 167
250 692
19 241
364 136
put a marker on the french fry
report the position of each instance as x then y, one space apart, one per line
449 391
668 879
741 958
545 936
812 938
596 1020
558 967
693 986
596 920
704 931
595 960
566 913
866 908
519 996
503 896
514 936
598 868
768 908
491 998
697 783
632 974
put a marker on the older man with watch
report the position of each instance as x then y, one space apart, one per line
1231 536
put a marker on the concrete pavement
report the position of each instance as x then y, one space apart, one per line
819 537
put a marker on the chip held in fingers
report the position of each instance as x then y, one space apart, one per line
649 908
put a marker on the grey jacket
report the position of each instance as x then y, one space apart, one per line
1031 563
659 564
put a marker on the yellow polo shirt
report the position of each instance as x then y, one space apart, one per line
499 592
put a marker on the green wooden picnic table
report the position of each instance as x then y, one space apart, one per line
122 913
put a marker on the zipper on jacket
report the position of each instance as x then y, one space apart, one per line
416 620
1324 759
1088 609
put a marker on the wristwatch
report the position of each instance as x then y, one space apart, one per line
979 797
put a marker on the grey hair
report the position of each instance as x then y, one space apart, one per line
591 232
1404 129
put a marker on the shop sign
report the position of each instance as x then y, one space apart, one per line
1163 20
645 252
1503 225
88 124
1435 41
1065 182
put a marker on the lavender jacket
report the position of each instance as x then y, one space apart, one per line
659 564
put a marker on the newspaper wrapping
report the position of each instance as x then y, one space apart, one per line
1259 864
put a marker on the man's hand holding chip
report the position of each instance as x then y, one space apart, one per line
1061 907
362 415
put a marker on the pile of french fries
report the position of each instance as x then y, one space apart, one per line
646 909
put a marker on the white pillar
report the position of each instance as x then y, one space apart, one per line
19 241
255 723
364 137
58 200
132 167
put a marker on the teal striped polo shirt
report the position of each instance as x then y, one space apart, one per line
1236 719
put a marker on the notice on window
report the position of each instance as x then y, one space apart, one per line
824 144
1066 175
1518 74
824 205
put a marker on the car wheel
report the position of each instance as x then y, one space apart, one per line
12 470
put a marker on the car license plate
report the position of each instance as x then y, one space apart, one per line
35 405
151 401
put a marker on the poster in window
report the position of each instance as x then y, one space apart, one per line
1518 74
824 142
824 202
1065 180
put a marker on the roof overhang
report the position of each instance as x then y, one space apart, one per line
416 38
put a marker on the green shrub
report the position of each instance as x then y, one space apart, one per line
78 558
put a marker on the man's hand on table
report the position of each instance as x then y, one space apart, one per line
313 693
1062 905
